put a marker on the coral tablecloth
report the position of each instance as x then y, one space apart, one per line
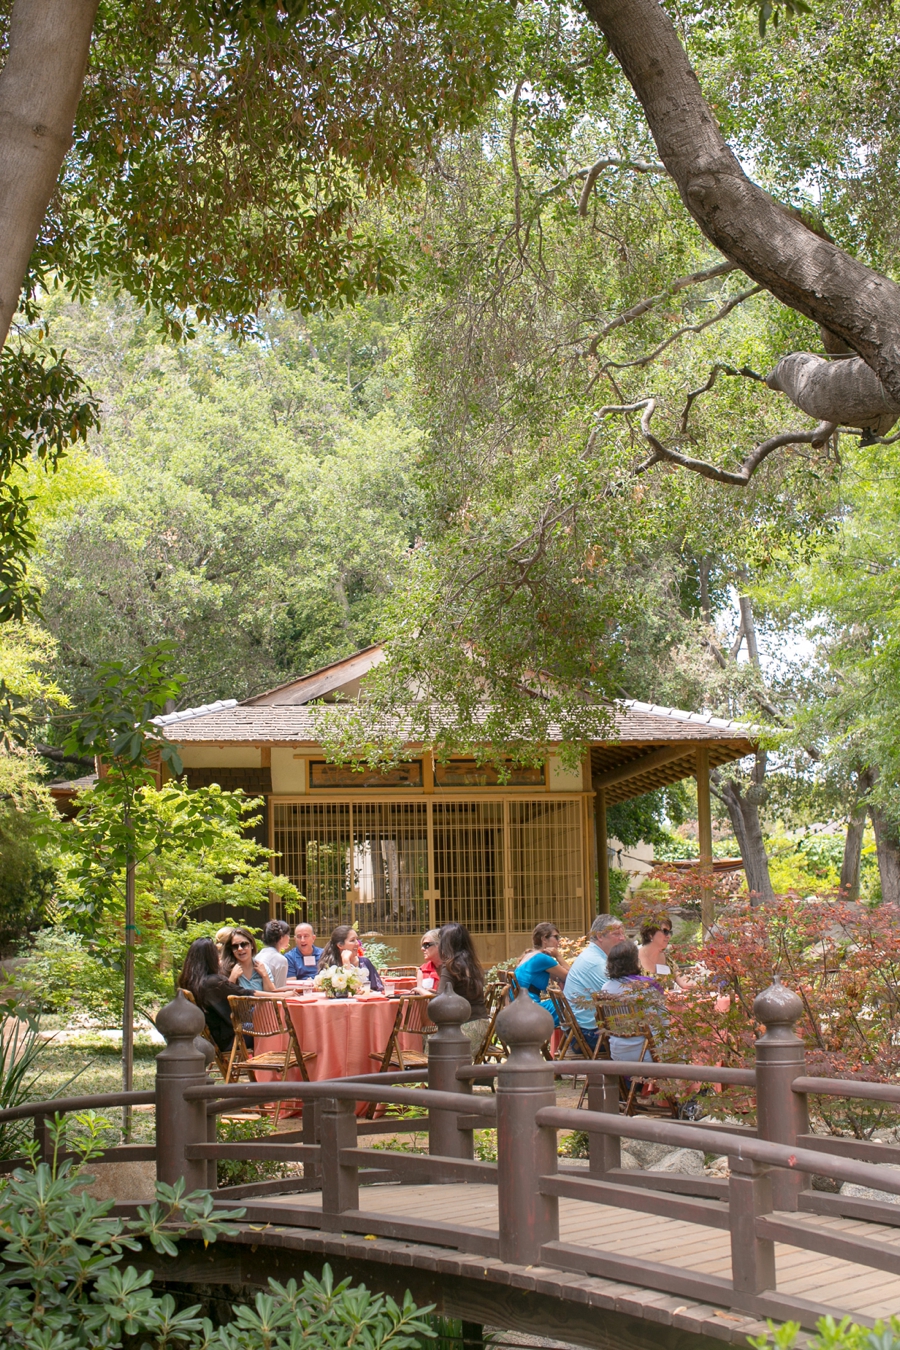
344 1032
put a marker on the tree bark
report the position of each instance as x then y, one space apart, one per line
743 808
766 240
856 827
40 86
887 842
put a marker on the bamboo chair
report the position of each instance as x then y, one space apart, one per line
408 1021
627 1016
221 1057
262 1019
574 1043
399 972
492 1050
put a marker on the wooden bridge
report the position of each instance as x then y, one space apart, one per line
597 1256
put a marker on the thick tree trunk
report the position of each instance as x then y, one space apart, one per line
764 239
856 827
743 808
887 842
40 87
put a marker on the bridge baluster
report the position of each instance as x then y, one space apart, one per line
179 1123
749 1197
340 1181
604 1150
448 1050
525 1151
780 1058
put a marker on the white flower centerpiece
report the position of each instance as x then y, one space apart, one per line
338 982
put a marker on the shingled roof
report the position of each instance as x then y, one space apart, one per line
651 746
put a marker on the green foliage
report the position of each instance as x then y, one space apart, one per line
648 818
240 1172
22 1049
46 409
255 502
27 866
63 1282
831 1335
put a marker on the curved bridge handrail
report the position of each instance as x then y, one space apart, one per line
735 1146
65 1105
848 1087
600 1068
342 1090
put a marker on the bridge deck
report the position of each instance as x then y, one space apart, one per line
841 1285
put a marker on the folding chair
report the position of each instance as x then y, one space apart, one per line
492 1048
409 1020
221 1057
627 1016
399 972
255 1021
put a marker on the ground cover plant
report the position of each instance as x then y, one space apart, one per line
64 1280
831 1335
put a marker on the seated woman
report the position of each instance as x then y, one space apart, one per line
652 953
343 950
461 971
429 976
201 976
242 966
541 965
626 980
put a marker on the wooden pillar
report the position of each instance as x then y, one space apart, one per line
601 851
704 829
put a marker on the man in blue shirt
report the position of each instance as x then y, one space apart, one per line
587 974
303 961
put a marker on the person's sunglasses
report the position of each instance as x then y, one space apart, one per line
239 946
667 931
426 945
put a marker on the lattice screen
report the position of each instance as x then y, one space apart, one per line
468 864
496 866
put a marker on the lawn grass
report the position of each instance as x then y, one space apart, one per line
98 1065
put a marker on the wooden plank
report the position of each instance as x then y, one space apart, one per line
709 1212
709 1188
822 1202
424 1165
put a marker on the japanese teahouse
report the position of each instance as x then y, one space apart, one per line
424 843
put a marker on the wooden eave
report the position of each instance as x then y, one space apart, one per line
628 770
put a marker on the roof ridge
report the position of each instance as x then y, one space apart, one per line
220 705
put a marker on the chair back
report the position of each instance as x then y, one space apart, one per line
257 1017
492 1048
573 1040
622 1014
415 1016
399 972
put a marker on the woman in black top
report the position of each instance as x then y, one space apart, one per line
461 970
202 976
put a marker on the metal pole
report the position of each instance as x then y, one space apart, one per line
704 831
128 999
448 1050
525 1151
179 1123
781 1113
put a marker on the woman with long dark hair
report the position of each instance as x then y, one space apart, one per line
203 978
343 951
245 971
461 970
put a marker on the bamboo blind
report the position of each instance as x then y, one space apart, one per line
497 866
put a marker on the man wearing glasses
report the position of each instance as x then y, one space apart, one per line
587 975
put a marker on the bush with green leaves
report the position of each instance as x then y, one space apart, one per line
243 1171
831 1335
64 1284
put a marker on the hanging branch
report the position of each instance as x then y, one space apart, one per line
720 368
593 173
694 279
645 360
737 478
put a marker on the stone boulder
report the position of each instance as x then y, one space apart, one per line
867 1193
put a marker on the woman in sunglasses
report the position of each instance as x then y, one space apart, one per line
242 966
655 935
429 975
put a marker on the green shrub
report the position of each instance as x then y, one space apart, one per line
21 1080
831 1335
63 1285
238 1171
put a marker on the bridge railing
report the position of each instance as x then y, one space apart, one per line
766 1200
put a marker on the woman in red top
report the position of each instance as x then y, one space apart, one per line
429 974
